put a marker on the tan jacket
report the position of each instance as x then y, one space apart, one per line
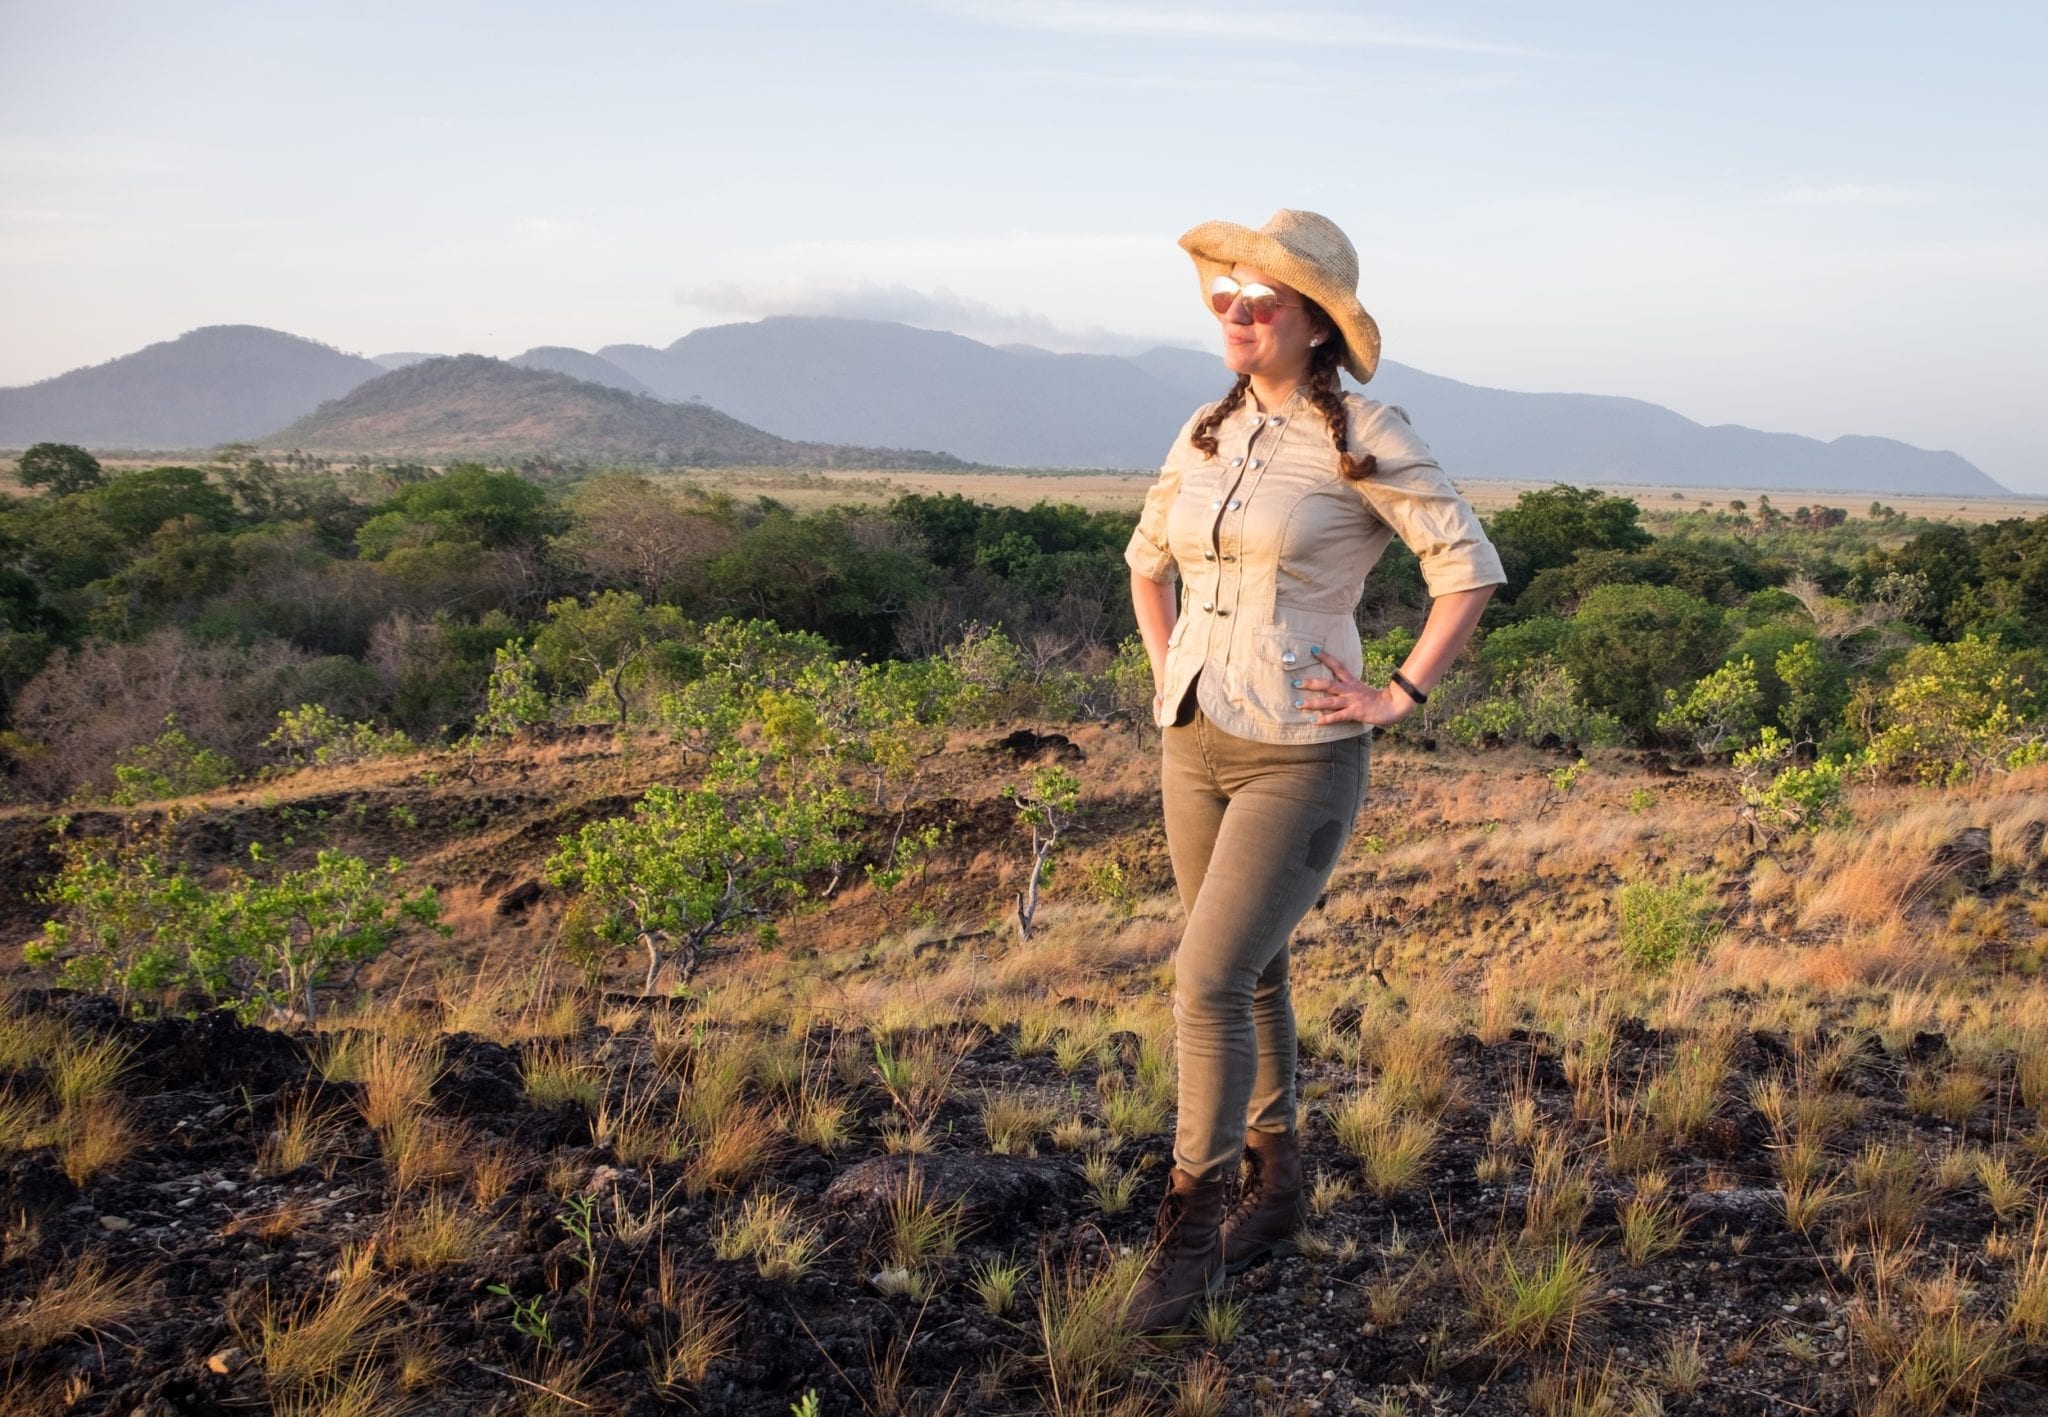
1272 546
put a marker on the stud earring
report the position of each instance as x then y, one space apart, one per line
1316 341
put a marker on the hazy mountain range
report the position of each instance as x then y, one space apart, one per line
468 406
850 389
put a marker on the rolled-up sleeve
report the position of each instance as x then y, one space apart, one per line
1147 551
1410 492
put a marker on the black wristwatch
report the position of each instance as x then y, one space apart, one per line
1412 692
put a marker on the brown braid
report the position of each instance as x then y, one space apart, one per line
1327 395
1204 436
1323 390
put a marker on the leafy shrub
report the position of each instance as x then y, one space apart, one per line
127 916
131 922
1532 706
514 699
169 765
687 867
1956 711
1717 713
1661 924
1780 797
309 734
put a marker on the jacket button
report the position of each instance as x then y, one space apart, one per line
1255 462
1276 420
1224 611
1236 462
1235 504
1217 503
1208 555
1208 605
1287 658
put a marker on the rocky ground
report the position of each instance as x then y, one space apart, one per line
556 1299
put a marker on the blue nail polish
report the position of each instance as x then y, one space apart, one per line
1297 683
1297 703
1315 649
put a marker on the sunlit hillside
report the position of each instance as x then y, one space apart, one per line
1573 1049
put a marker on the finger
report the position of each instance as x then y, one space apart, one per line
1341 674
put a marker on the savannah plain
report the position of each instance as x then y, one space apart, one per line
1688 1064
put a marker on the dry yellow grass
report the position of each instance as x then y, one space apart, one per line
73 1299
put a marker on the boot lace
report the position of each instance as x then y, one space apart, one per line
1247 1197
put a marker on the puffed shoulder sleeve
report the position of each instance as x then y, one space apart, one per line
1410 492
1147 553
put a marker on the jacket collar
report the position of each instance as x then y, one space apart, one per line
1294 403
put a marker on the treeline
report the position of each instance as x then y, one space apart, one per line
171 627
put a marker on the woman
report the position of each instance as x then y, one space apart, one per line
1272 506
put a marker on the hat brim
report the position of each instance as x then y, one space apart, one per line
1216 246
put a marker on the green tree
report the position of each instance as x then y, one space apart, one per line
1549 526
59 468
841 573
1816 689
1536 705
736 662
1046 808
470 502
1629 643
135 504
1781 798
612 639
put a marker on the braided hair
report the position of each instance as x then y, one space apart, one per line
1322 389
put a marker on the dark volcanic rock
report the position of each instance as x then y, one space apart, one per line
1000 1191
480 1077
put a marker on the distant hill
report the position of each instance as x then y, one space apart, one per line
826 383
220 384
578 365
814 377
468 406
873 381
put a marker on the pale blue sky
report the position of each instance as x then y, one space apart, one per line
1816 218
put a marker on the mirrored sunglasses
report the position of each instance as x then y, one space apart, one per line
1262 301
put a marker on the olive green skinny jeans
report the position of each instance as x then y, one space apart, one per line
1254 830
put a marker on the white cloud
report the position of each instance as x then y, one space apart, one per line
935 309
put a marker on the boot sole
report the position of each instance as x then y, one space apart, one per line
1279 1249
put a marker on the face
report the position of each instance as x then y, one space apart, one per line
1278 350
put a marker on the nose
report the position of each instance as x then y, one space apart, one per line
1236 313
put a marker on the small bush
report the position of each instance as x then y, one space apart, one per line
1662 924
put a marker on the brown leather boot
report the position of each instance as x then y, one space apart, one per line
1186 1261
1273 1204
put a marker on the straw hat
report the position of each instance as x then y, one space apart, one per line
1307 251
